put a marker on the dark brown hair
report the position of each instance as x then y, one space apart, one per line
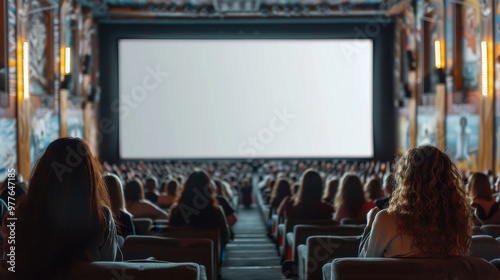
479 187
63 211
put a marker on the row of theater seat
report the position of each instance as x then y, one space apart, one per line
320 250
325 249
457 268
176 244
137 270
177 240
174 253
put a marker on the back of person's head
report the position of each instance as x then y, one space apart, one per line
270 184
171 187
115 190
246 183
181 179
430 203
198 188
65 207
331 189
151 184
218 186
296 187
350 195
281 190
479 187
373 189
310 189
389 184
134 191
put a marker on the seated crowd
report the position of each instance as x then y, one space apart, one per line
411 208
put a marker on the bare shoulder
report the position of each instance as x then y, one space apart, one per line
385 217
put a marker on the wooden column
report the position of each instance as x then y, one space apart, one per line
412 111
441 116
63 112
23 119
487 109
486 133
87 111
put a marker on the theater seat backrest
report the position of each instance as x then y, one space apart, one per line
302 232
199 251
144 270
456 268
485 246
143 226
323 249
200 233
492 230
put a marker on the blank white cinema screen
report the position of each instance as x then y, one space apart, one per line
300 98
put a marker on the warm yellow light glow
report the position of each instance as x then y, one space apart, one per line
26 70
67 60
484 68
438 54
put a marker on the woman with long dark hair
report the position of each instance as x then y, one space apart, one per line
137 205
281 190
486 208
307 203
350 201
198 207
64 216
126 225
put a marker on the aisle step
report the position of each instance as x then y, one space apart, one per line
255 261
252 273
252 240
243 246
251 255
250 235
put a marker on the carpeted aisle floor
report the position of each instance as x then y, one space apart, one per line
251 256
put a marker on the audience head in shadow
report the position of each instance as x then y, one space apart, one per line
115 189
137 205
331 190
373 189
281 190
350 200
487 210
197 205
169 194
151 189
307 203
64 216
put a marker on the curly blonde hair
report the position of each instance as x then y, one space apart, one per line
431 204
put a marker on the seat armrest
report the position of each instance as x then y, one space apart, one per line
328 271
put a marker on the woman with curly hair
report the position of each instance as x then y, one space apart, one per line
429 214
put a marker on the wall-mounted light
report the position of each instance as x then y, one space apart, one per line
439 54
484 68
67 60
26 71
